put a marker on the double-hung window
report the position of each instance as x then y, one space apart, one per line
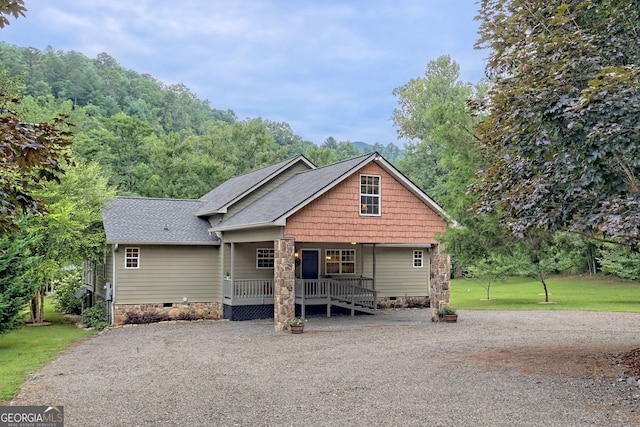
132 258
418 259
264 258
370 195
340 261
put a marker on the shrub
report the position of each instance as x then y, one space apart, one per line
622 262
187 315
446 311
64 289
135 318
95 317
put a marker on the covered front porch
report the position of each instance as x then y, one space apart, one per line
246 299
284 278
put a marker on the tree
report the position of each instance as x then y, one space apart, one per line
31 155
621 261
538 255
480 250
562 139
127 146
487 271
284 137
71 231
321 156
13 8
442 157
16 259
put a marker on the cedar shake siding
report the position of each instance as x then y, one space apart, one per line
335 216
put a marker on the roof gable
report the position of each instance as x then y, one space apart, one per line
220 198
303 188
335 216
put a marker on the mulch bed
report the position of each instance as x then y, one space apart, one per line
631 360
575 361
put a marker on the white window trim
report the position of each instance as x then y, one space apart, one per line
379 195
421 258
271 250
127 258
340 262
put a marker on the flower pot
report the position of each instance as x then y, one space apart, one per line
450 318
296 329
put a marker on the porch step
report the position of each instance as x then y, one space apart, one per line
349 306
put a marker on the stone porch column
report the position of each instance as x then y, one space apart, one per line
440 275
284 302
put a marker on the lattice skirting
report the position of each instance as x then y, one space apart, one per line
248 312
252 312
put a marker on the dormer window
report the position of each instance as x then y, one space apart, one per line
370 195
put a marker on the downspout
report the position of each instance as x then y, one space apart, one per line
113 283
233 261
429 273
374 266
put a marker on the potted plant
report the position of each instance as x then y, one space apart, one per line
447 314
296 325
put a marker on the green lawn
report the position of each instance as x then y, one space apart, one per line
589 293
25 350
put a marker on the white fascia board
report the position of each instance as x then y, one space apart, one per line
164 243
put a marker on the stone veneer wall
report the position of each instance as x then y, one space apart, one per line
201 310
440 276
284 301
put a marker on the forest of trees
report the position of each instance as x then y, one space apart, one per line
538 164
151 139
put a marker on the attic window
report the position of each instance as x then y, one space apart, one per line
370 195
264 258
132 258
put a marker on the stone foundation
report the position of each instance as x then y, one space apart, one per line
403 302
196 310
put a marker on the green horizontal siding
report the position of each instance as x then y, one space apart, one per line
167 274
395 274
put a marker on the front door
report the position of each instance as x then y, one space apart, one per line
310 263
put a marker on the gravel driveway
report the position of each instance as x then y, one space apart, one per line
539 368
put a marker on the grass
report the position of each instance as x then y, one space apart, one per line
28 348
25 350
585 293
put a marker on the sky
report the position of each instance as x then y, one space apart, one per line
326 67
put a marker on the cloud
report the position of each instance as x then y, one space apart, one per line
326 67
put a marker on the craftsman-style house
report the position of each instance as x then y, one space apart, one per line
288 238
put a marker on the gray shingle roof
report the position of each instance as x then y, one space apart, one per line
155 221
237 186
297 190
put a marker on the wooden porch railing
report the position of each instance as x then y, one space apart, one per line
342 292
337 292
248 291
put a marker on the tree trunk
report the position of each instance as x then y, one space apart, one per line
37 306
544 285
